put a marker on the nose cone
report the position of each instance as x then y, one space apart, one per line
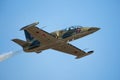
94 29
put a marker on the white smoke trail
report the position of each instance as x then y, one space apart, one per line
8 55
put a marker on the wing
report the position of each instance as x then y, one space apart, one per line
70 49
39 34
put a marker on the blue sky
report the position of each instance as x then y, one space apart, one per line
58 14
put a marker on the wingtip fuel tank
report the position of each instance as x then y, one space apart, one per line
88 53
30 25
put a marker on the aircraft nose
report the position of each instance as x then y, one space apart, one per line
94 29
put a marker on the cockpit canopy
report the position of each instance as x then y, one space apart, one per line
73 27
73 30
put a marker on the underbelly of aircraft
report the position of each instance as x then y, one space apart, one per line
44 47
58 42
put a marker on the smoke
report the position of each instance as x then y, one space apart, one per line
8 55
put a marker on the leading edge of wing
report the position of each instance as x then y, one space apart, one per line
70 49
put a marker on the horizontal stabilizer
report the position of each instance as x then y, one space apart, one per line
20 42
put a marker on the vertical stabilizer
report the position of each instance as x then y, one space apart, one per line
28 36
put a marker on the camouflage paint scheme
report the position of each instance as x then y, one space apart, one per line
38 40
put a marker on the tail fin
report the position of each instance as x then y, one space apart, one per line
20 42
28 36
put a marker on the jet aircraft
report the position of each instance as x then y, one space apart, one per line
38 40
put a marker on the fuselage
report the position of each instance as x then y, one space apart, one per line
65 35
